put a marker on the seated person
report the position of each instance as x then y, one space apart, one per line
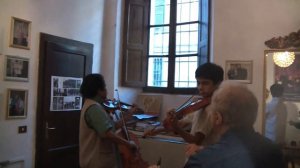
232 113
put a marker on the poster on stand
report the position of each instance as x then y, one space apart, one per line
65 93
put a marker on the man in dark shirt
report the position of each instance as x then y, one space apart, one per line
233 111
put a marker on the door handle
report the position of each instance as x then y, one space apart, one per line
48 128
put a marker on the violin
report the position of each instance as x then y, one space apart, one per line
112 105
187 109
116 105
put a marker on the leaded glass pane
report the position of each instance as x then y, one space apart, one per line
160 12
185 68
159 41
187 39
187 11
158 71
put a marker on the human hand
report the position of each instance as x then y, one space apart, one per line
170 113
173 119
148 133
192 149
167 122
132 110
128 115
132 146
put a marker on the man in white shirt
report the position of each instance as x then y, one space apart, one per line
276 116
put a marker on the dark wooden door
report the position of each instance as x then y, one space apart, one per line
58 130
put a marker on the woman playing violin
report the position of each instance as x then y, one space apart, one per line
208 77
97 138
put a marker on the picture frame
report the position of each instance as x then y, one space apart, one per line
16 68
17 103
20 33
240 71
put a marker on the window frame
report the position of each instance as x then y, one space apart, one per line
172 48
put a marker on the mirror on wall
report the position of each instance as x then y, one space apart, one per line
282 75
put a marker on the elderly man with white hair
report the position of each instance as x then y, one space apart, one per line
233 111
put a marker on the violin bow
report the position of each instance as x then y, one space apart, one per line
121 114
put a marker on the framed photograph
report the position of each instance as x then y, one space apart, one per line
17 103
239 70
16 68
20 33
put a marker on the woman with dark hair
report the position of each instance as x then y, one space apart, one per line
97 138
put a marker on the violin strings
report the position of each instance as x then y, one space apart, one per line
187 102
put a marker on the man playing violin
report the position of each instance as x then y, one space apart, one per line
97 138
208 76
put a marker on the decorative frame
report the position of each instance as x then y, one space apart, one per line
289 41
288 77
20 33
16 68
239 71
17 103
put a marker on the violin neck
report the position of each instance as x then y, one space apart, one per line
185 104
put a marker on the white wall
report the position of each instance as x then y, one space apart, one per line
111 67
73 19
240 28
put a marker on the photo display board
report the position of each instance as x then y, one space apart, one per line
65 93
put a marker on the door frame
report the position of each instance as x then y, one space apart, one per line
73 46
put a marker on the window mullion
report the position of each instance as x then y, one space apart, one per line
172 45
199 33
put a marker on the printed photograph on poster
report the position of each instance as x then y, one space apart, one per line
65 93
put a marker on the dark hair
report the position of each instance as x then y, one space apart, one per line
91 84
276 90
210 71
